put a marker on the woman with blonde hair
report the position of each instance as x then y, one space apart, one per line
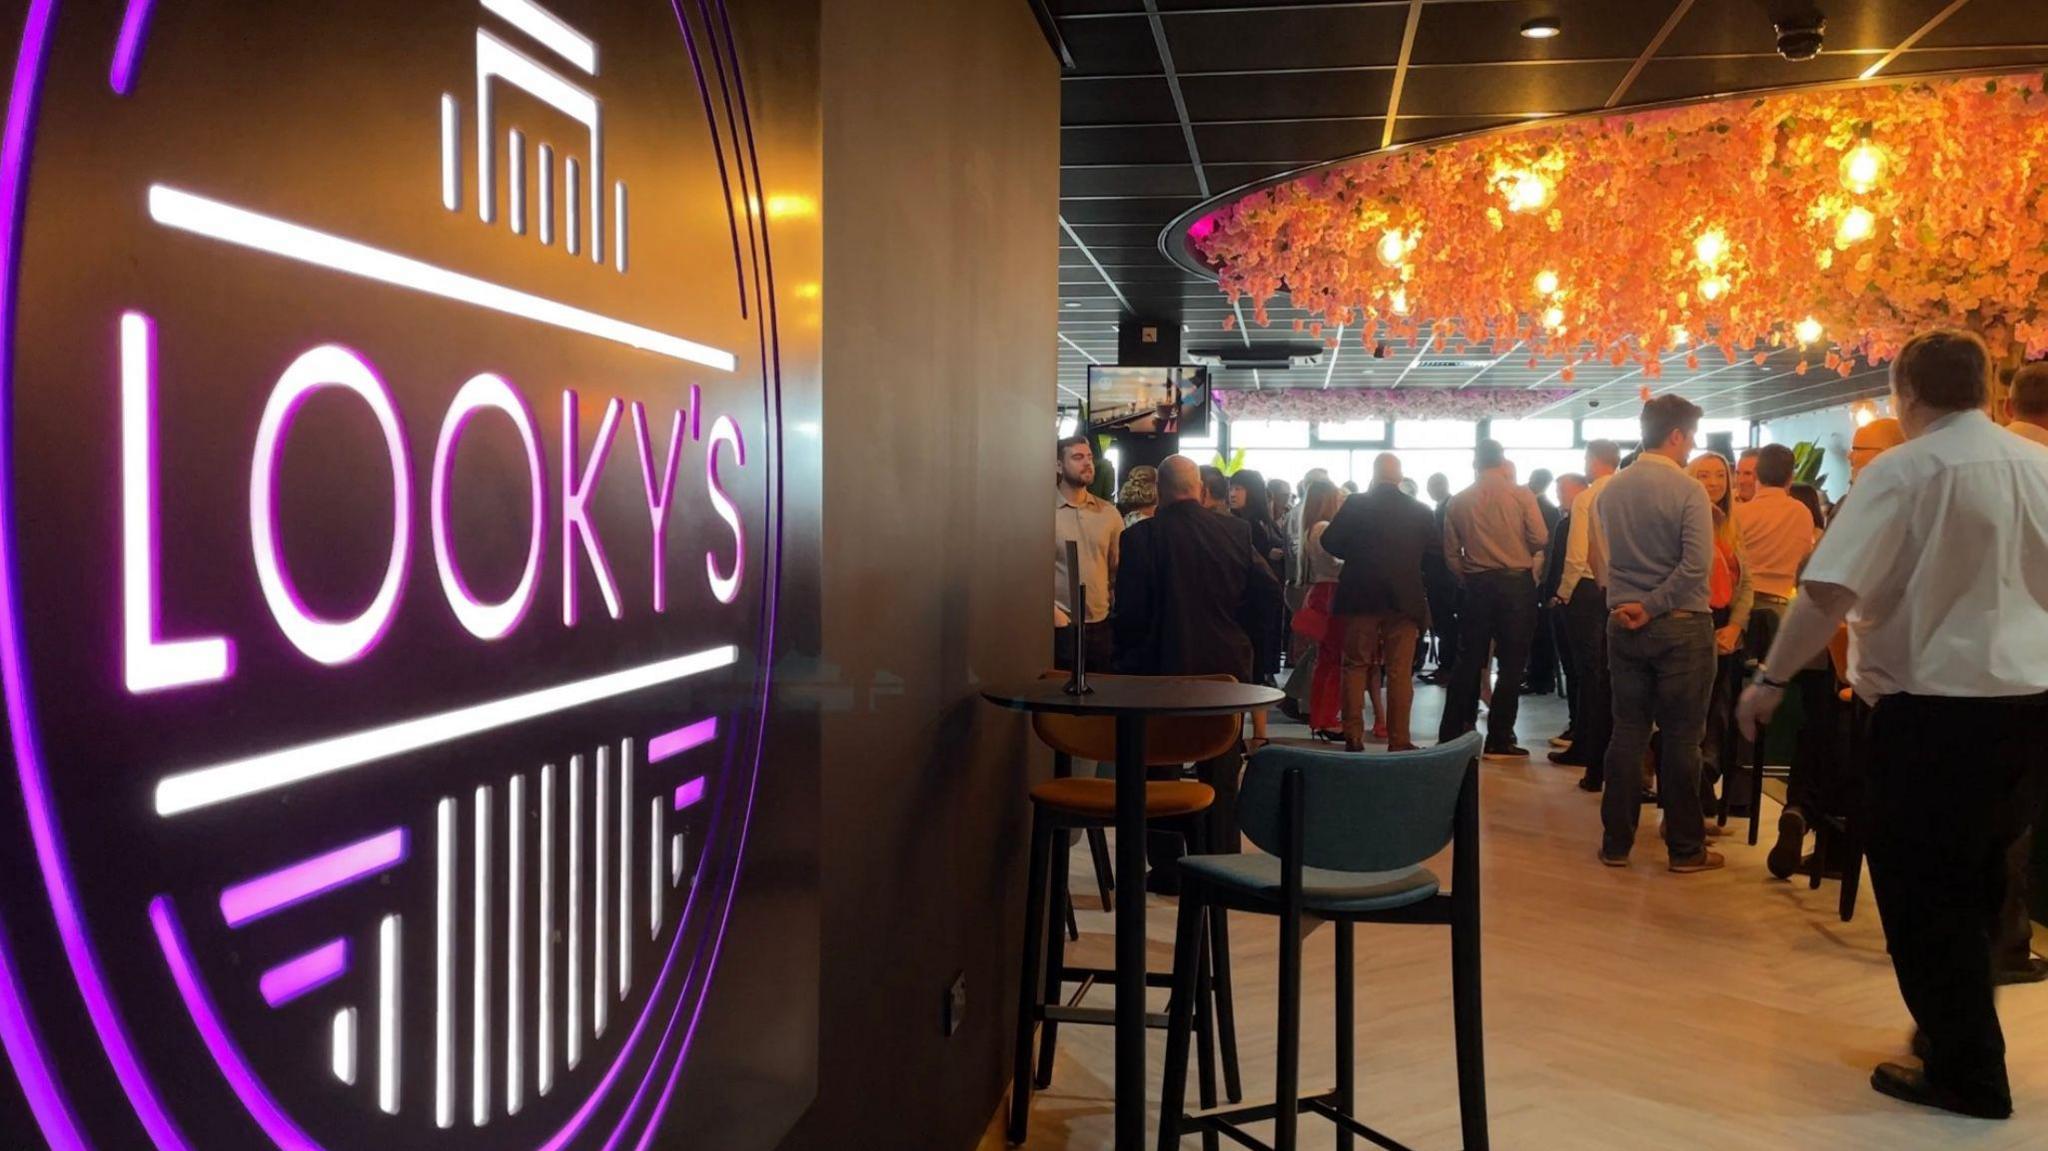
1315 621
1729 595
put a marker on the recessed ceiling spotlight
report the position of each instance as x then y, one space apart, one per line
1071 304
1543 28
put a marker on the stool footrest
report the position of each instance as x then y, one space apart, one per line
1103 1016
1107 976
1326 1105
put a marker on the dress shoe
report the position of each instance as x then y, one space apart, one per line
1354 745
1783 860
1611 860
1704 861
1565 758
1505 751
1589 785
2032 971
1562 740
1910 1084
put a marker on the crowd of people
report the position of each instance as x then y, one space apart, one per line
1653 588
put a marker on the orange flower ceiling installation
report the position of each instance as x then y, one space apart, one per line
1840 220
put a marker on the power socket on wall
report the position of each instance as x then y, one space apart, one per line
954 1012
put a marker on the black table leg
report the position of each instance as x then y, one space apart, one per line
1130 932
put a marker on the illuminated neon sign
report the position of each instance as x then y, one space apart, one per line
298 437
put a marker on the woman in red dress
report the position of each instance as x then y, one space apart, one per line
1320 501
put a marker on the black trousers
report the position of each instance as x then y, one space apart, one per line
1497 619
1952 783
1558 619
1594 727
1542 674
1101 649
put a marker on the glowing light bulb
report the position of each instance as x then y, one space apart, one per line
1546 282
1808 331
1864 414
1863 168
1713 288
1393 248
1710 247
1553 318
1857 224
1399 301
1680 337
1527 192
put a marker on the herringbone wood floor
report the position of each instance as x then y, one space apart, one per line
1625 1010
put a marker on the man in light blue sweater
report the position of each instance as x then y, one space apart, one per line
1660 635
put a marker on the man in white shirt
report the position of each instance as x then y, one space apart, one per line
1940 566
1584 593
1094 526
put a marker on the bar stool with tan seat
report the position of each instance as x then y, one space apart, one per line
1061 806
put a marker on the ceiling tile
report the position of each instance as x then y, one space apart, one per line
1141 211
1718 26
1303 37
1150 180
1163 144
1488 32
1509 89
1111 45
1143 100
1290 144
1679 79
1981 23
1268 96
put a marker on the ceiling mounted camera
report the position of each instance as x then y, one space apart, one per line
1801 28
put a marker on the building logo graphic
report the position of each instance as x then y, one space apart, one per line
326 836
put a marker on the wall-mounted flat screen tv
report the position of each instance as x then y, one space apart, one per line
1149 401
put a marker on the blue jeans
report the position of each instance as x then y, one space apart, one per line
1661 674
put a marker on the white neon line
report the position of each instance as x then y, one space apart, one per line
572 223
213 219
575 1013
544 943
625 867
619 224
675 858
549 29
515 942
480 965
546 157
344 1044
515 179
444 965
600 860
206 786
387 1015
654 899
451 148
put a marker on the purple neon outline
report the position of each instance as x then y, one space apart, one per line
771 592
460 412
43 830
682 739
134 23
25 1054
575 517
310 878
233 1067
727 511
263 523
301 974
154 559
658 505
690 793
15 688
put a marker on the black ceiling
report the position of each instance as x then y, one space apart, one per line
1170 102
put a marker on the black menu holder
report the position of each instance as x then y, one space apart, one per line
1077 595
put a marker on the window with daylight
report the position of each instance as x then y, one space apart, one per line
1436 434
1200 446
1623 432
1352 432
1291 464
1533 433
1268 434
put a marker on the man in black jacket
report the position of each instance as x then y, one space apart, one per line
1569 486
1382 535
1190 589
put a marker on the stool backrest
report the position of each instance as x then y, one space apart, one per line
1170 740
1360 812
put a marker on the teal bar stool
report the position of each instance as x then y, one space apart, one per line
1345 837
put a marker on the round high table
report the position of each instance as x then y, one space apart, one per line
1132 700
